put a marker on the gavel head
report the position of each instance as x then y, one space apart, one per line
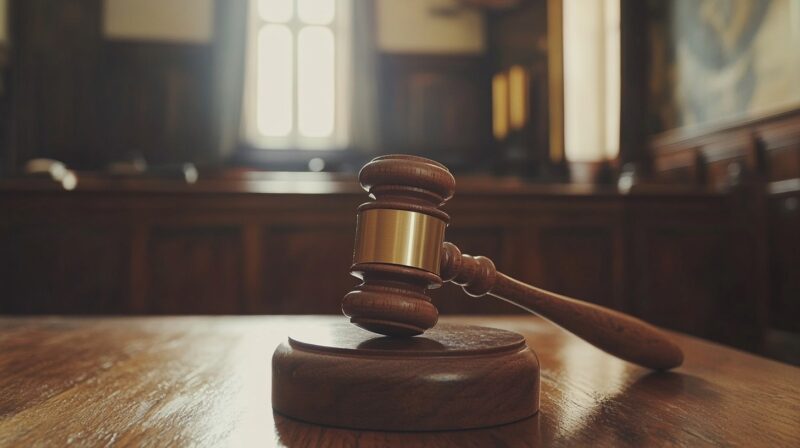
398 246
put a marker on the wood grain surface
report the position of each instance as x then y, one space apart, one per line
454 377
205 381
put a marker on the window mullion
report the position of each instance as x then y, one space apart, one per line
317 96
296 27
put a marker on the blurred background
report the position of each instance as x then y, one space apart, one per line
200 156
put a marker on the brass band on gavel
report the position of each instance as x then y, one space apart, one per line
399 237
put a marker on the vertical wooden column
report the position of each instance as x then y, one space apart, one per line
555 76
634 49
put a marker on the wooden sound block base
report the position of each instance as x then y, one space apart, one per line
452 377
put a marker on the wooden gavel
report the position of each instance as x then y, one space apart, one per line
400 253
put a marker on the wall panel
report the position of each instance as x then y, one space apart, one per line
196 269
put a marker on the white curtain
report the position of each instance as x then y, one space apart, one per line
364 113
230 43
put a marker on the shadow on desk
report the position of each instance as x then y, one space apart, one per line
293 433
602 425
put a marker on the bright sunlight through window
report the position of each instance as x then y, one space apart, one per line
296 74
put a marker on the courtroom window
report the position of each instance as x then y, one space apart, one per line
297 71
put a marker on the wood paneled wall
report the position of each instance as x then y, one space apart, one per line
86 100
759 159
671 258
437 105
82 98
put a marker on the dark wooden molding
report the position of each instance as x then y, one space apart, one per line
696 135
765 147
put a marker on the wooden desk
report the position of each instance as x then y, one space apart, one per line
205 381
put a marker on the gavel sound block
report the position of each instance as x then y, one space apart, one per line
407 374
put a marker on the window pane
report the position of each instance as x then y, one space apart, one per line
274 93
317 12
315 81
276 10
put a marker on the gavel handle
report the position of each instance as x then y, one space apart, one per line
619 334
